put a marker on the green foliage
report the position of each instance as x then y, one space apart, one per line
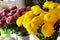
21 31
5 31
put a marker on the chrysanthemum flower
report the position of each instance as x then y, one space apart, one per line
47 30
32 26
50 18
27 18
36 9
47 3
53 5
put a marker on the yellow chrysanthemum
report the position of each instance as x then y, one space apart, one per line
36 9
53 5
50 5
19 21
28 17
38 20
47 30
47 3
32 26
50 18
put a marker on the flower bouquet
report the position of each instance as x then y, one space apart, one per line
42 22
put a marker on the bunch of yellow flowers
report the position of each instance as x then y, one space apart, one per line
51 5
36 16
31 19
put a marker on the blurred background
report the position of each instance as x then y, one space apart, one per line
22 2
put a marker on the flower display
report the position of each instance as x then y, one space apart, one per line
32 20
44 23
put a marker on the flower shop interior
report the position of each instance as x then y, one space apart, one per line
29 19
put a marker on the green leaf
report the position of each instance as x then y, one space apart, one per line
8 32
2 32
